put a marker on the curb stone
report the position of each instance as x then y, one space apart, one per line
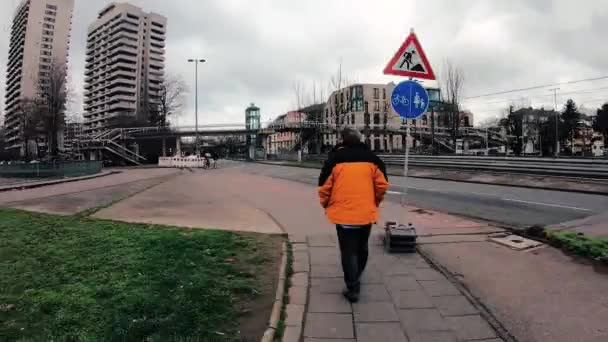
24 186
298 292
277 308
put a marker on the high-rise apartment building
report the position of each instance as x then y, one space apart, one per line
124 65
40 37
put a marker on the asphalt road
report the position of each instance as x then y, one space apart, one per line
513 206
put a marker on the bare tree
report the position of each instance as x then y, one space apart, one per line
30 118
170 100
452 88
336 82
52 101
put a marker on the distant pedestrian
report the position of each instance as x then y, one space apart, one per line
352 185
214 157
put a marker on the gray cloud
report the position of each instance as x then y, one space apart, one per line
257 49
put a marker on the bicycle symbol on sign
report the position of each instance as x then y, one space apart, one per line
400 99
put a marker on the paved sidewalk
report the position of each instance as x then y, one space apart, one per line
402 299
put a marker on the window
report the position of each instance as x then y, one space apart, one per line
376 105
376 119
386 106
45 53
44 67
414 122
49 19
131 16
48 26
376 93
383 93
50 13
45 60
366 118
47 46
352 120
48 33
385 119
43 74
52 7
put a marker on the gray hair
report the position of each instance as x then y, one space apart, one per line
351 136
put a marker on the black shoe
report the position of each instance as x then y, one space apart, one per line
351 296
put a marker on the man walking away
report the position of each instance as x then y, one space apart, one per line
352 185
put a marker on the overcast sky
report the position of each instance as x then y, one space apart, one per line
256 50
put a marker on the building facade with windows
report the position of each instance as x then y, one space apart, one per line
125 63
285 141
367 108
39 41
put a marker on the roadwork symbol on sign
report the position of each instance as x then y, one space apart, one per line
410 61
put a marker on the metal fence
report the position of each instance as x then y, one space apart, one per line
51 170
567 167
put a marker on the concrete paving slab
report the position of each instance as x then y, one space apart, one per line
300 279
416 299
327 285
375 312
324 255
402 283
454 306
298 295
329 303
385 332
374 293
421 320
326 271
433 336
294 314
470 327
329 325
292 334
436 288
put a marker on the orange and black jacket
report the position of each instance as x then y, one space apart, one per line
352 185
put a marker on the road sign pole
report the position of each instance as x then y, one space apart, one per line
405 172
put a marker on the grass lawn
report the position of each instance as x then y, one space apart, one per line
79 279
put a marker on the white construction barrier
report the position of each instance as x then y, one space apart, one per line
181 162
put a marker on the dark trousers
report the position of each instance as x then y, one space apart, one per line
354 251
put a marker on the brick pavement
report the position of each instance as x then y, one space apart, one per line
402 299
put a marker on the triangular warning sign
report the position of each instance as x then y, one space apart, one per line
410 61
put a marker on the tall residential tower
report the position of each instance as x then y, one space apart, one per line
124 65
40 37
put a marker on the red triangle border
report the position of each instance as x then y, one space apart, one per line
388 70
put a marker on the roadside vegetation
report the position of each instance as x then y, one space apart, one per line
580 244
79 279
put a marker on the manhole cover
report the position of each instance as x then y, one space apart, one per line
516 242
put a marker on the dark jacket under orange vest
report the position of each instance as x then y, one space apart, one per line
352 184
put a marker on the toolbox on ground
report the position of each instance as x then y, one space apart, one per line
400 238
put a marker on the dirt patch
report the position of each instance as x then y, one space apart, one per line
422 212
255 314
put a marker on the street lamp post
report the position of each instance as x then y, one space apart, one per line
196 141
554 90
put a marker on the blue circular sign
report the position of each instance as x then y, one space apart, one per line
410 99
